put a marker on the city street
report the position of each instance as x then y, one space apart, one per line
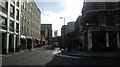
46 56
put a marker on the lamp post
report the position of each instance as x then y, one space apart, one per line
63 18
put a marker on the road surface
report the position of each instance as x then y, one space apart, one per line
46 56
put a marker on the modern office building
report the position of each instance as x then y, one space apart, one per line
46 34
10 25
19 24
101 25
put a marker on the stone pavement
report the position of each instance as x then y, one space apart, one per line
21 51
93 54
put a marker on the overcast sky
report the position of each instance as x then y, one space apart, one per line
52 10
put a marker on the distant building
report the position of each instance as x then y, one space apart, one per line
46 32
78 33
101 27
55 33
70 35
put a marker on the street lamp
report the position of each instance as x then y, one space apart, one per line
63 18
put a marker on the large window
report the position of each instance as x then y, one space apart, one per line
12 24
102 20
27 31
17 26
17 14
117 20
17 1
3 3
117 5
24 5
22 29
22 17
3 21
12 9
101 5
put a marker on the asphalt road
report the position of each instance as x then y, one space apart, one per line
46 56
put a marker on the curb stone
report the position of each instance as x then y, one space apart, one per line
91 56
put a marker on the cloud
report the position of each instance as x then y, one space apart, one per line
49 17
73 10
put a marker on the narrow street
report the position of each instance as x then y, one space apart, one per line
46 56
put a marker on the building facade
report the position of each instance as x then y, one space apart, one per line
64 35
30 25
78 33
101 25
46 33
11 27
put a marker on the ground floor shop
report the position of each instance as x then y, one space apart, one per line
102 40
10 42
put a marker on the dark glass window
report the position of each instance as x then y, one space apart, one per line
102 20
17 14
117 5
17 26
117 20
3 21
12 24
3 3
17 1
21 29
12 9
101 5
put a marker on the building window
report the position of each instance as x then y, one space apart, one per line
24 18
21 29
3 21
31 32
24 6
21 17
117 20
28 31
17 2
12 9
3 3
17 14
101 5
24 30
102 20
11 25
13 0
117 5
17 26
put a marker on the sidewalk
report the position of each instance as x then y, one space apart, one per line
21 51
93 54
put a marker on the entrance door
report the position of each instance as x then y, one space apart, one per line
98 40
112 40
11 43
